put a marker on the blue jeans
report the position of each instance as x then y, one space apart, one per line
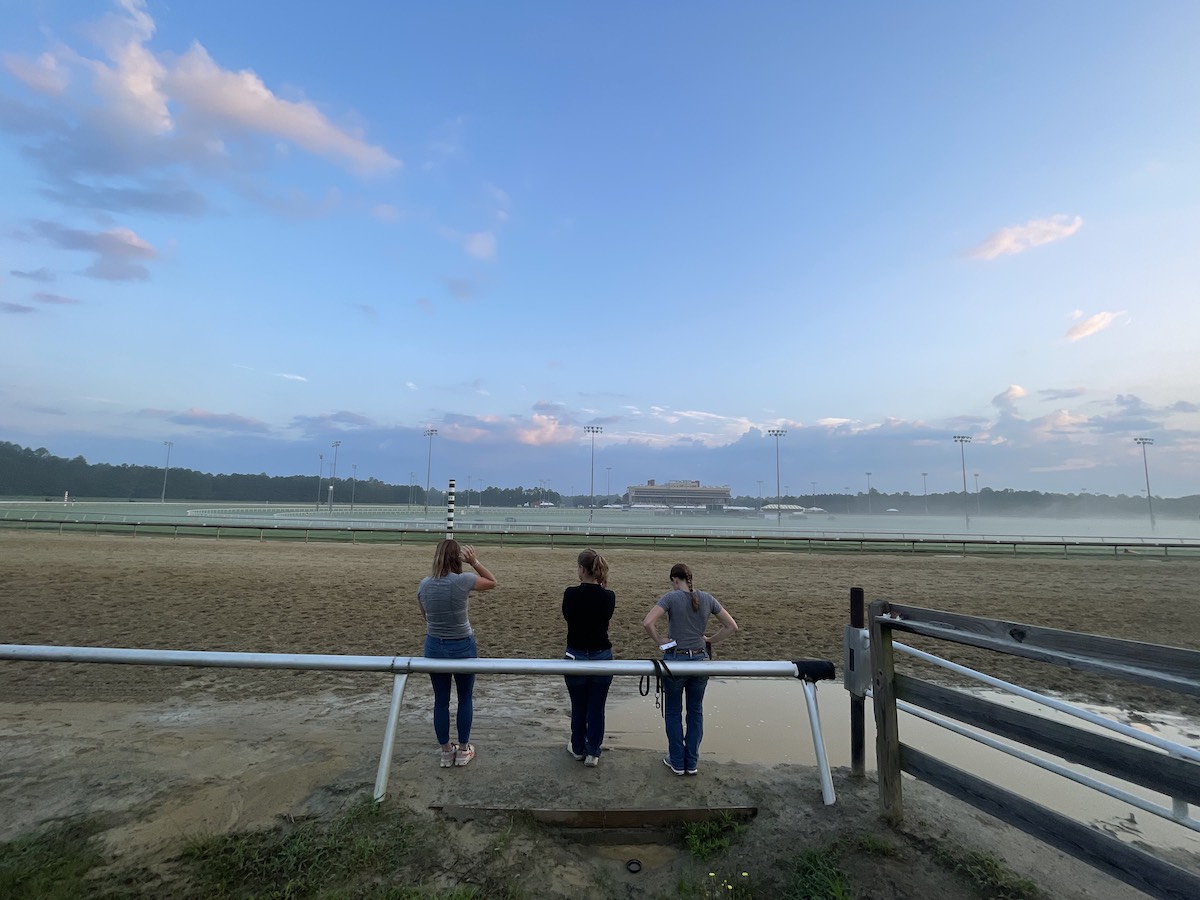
588 693
683 751
451 648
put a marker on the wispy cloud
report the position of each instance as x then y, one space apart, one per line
43 274
226 422
286 377
55 299
481 245
140 128
1034 233
1006 401
1061 393
117 250
15 309
1092 325
43 74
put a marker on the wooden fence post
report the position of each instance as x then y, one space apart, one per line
858 739
887 736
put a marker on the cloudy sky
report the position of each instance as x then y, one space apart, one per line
256 229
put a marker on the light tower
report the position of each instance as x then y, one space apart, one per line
166 469
1146 468
593 430
333 473
430 433
777 433
962 440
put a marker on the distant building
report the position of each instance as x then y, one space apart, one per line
679 495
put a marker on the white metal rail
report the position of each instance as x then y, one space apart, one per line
402 666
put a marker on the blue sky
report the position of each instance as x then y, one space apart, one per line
256 229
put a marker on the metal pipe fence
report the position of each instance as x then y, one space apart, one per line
808 672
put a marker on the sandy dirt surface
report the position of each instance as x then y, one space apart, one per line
167 753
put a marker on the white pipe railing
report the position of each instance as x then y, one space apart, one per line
402 666
1179 811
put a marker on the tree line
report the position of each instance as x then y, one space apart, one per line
25 472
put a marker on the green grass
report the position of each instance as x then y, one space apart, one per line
51 864
986 872
709 839
349 855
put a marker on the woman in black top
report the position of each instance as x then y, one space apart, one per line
588 608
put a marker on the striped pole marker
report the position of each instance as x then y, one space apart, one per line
450 510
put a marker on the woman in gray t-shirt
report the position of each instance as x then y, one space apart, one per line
443 597
688 611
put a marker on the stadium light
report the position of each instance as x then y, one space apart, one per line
777 433
962 440
333 474
430 433
1146 467
593 430
166 469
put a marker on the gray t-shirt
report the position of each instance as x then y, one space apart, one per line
445 603
686 625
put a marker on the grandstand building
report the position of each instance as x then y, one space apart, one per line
678 495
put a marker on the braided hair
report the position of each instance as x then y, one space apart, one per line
679 570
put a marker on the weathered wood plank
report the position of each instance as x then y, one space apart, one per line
858 741
1134 763
1172 668
887 735
1127 863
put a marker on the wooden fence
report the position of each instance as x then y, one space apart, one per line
1171 668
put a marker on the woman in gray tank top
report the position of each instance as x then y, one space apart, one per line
688 611
443 597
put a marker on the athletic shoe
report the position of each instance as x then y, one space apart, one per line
571 750
693 771
592 761
667 763
447 758
464 754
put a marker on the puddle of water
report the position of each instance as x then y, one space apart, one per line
766 722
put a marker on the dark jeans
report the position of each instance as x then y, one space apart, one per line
451 648
683 750
588 693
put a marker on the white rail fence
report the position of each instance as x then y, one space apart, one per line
808 671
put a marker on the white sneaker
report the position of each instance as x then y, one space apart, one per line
592 761
464 754
578 756
447 759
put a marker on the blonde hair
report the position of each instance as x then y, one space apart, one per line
679 570
447 558
595 565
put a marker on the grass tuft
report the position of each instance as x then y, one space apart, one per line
988 873
818 875
706 840
51 864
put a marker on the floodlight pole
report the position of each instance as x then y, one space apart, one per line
868 493
925 490
430 433
166 469
353 484
593 430
320 477
333 474
777 433
1146 467
962 440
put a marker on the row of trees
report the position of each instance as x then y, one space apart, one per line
37 473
